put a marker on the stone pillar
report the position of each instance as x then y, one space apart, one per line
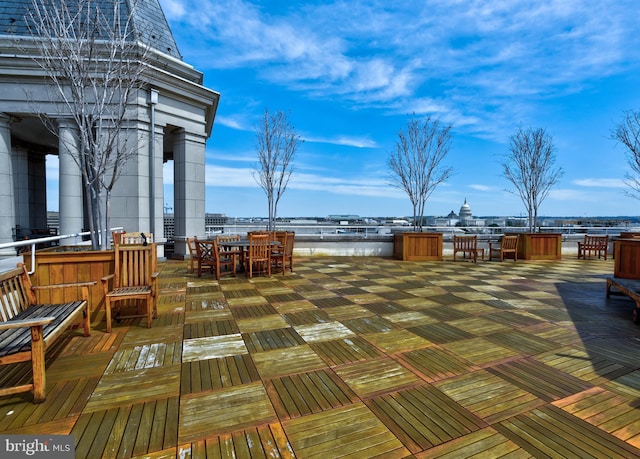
70 197
189 188
21 188
7 204
158 191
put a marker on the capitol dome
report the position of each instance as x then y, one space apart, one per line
465 211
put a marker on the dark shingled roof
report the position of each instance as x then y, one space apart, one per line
149 20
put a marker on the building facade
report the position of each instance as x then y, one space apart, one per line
170 120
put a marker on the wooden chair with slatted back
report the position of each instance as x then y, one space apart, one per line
508 246
466 245
210 257
284 252
258 254
135 277
192 242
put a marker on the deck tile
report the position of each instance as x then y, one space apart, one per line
236 408
376 376
290 360
350 431
213 346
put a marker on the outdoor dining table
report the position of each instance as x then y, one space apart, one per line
243 246
242 243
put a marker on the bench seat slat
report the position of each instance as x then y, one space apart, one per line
13 341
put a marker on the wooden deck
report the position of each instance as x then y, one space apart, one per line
354 357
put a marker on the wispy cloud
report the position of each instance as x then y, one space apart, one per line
357 142
244 177
378 54
481 187
601 183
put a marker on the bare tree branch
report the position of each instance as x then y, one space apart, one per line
628 134
277 142
530 167
94 61
415 162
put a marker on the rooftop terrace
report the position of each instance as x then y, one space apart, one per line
356 357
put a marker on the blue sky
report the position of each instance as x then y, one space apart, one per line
349 73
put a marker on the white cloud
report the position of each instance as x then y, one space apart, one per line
601 182
481 187
357 142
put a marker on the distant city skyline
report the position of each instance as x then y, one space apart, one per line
350 73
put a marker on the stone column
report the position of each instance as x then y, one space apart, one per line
189 188
7 204
70 197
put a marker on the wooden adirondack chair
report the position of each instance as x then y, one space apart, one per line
135 277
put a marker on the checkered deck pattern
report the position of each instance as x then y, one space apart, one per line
357 357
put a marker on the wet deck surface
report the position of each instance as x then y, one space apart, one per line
354 357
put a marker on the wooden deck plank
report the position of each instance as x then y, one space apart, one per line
550 430
435 363
237 408
482 443
539 379
346 350
141 445
376 376
488 396
344 429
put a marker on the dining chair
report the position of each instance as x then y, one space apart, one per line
192 242
238 251
258 254
284 252
211 259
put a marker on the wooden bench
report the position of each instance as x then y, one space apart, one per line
628 287
593 245
467 245
27 328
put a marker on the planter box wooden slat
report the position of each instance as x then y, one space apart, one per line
626 253
56 266
418 246
539 246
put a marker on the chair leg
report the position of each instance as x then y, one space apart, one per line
149 311
107 307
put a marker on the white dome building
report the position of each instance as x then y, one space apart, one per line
465 214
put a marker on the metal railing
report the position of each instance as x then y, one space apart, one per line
361 230
77 237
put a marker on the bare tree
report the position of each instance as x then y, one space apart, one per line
628 134
415 162
276 144
530 167
93 59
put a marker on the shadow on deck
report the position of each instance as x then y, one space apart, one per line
357 357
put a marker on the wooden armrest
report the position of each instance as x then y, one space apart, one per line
106 278
39 322
73 284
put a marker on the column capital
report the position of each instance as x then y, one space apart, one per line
68 123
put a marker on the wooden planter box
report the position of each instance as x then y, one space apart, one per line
539 246
70 264
626 253
418 246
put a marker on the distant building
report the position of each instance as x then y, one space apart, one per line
465 215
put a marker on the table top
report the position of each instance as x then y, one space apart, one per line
241 243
